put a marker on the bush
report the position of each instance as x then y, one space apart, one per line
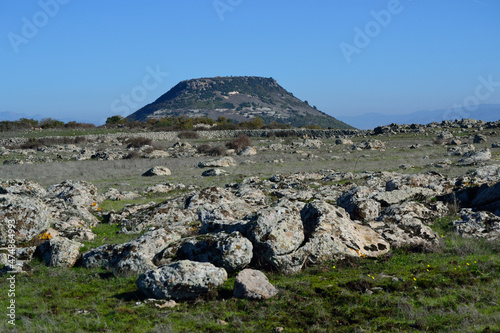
241 142
139 142
132 155
31 144
188 135
212 151
51 123
74 124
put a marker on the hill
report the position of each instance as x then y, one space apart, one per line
239 98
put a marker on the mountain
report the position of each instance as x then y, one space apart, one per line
486 112
239 98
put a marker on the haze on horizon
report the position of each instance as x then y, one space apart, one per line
87 61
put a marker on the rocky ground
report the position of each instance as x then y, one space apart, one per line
184 220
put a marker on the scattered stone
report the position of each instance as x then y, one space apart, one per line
253 284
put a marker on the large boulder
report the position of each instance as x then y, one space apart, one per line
60 252
215 203
181 280
358 203
28 216
22 187
478 224
170 215
488 197
277 230
253 284
231 251
131 258
79 193
472 157
339 235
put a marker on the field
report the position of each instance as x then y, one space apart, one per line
454 288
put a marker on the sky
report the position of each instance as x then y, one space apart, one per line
89 60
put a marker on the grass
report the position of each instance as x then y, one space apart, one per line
456 289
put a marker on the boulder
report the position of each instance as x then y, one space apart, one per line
29 217
473 157
214 172
181 280
215 203
277 230
487 195
79 193
478 224
409 232
248 151
218 163
358 203
22 187
60 252
398 196
231 251
339 235
131 258
253 284
170 215
479 138
74 229
157 171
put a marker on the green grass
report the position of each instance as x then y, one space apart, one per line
456 289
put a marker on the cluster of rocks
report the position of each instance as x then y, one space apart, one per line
189 243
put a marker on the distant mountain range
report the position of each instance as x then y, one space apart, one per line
486 112
240 98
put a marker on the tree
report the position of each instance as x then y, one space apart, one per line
115 120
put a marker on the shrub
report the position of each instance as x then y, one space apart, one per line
188 135
241 142
51 123
138 142
31 144
212 151
132 155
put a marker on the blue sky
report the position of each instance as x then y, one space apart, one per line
83 58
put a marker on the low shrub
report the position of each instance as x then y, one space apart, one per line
138 142
31 144
212 151
132 155
241 142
